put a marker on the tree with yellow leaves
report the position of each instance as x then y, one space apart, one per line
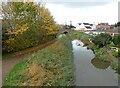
27 24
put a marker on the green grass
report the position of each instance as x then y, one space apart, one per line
83 37
80 35
52 66
116 66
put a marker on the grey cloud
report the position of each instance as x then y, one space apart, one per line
85 3
77 0
82 4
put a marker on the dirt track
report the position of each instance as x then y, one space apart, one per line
9 63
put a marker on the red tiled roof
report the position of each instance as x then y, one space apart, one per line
103 24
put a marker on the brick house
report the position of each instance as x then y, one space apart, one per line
103 26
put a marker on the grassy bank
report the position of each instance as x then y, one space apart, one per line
103 54
52 66
84 38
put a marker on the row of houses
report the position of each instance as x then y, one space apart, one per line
90 27
97 29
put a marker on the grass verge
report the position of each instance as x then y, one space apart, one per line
51 66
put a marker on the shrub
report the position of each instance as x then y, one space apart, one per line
112 44
21 41
116 66
116 53
102 39
116 39
102 54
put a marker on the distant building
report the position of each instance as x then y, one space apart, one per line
85 27
112 26
103 26
112 30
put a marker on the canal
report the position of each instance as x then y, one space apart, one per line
90 71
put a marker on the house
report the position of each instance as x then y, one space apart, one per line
115 30
85 27
110 29
103 26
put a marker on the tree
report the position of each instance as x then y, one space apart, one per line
117 24
102 39
26 24
116 39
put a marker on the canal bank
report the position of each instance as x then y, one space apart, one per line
86 72
51 66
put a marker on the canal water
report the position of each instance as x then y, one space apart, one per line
89 71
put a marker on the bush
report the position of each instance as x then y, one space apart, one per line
102 39
116 39
112 44
21 41
115 65
25 40
116 53
102 54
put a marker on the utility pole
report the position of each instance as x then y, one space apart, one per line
70 25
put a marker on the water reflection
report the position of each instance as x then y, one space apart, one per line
78 42
100 64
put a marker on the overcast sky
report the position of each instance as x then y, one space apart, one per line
78 11
83 11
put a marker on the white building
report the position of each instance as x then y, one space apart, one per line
85 26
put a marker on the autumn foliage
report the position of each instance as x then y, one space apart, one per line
26 24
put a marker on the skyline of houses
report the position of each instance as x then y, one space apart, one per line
93 26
